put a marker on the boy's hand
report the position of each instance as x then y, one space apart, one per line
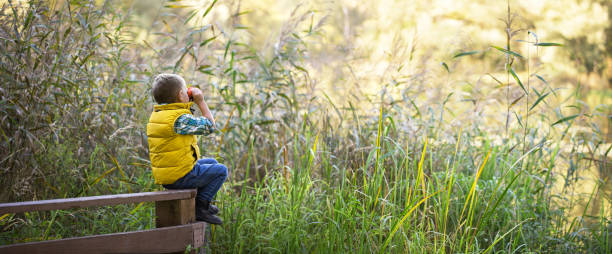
198 99
198 96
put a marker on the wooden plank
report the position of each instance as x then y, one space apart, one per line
174 212
177 212
70 203
160 240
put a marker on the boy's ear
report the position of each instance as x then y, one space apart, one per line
178 95
181 96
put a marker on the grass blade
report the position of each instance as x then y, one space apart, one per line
546 83
511 70
502 237
565 119
508 51
401 222
445 66
209 8
517 100
473 188
548 44
539 100
466 53
208 40
378 149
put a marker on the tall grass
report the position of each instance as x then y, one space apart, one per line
308 174
65 95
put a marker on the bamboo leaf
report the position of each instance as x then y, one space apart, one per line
209 8
466 53
518 118
191 15
516 100
445 66
548 44
536 91
494 78
546 83
511 70
565 119
539 100
208 40
507 51
541 78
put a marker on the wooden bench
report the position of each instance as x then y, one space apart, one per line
175 223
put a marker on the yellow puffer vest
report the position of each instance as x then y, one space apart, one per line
172 154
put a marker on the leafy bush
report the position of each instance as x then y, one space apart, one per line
309 172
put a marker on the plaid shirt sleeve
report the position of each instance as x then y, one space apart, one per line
187 124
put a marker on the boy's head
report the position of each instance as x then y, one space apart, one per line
169 88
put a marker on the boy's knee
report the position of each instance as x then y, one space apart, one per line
207 161
222 170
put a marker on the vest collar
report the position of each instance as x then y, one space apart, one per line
172 106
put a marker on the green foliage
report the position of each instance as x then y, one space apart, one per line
64 100
389 172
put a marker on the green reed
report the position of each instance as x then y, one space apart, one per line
307 173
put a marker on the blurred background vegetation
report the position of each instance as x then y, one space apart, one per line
492 119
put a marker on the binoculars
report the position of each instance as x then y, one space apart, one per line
189 94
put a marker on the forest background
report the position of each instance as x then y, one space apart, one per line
436 126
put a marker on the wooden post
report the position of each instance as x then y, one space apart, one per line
174 212
178 212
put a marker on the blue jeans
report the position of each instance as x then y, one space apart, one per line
207 176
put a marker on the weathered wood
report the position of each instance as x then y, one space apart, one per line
174 212
160 240
105 200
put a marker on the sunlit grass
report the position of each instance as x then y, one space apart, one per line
397 167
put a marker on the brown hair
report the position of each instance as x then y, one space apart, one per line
166 87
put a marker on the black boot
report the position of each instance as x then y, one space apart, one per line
204 212
211 208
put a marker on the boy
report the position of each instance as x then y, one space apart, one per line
173 145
